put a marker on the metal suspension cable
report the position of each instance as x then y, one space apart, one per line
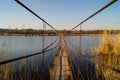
51 51
92 61
104 7
48 58
80 31
19 58
43 41
73 71
57 59
78 67
20 3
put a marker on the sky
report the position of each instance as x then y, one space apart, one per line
62 14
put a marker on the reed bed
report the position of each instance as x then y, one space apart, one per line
108 53
20 70
25 69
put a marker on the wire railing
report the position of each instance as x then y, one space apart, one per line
46 49
24 6
79 55
19 58
104 7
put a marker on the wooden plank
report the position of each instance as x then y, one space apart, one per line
61 69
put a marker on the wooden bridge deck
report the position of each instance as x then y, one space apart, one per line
61 69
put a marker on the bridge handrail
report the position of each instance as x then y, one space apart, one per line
19 58
92 61
104 7
20 3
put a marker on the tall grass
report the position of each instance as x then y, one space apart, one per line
108 53
18 70
24 69
110 45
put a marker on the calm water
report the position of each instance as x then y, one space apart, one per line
88 70
16 46
84 44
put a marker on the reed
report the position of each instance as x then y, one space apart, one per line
109 45
108 53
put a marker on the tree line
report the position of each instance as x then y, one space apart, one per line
27 32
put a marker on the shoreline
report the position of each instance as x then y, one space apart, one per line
58 35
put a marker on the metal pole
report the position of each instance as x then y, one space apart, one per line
104 7
43 52
35 14
80 32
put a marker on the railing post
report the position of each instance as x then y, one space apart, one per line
43 52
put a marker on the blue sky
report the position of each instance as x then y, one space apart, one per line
62 14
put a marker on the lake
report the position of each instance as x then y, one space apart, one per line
31 68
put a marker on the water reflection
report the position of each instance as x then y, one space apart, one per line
90 70
29 68
112 73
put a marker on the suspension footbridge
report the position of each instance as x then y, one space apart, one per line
62 67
